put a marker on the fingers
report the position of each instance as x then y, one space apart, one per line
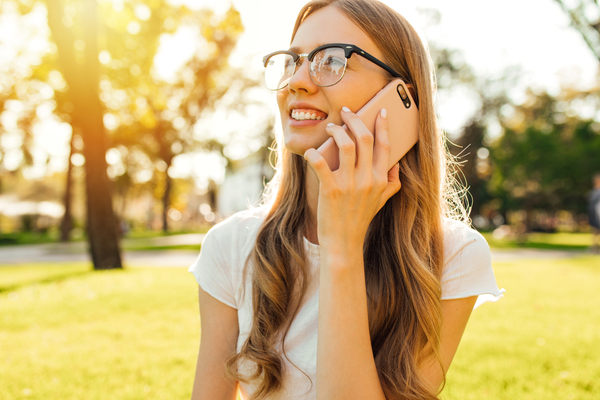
346 147
318 163
364 138
383 148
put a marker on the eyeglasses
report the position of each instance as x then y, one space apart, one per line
327 65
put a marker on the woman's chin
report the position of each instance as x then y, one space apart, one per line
300 145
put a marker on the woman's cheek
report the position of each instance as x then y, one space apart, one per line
281 97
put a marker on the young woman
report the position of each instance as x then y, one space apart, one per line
348 284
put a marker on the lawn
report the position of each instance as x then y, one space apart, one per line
151 240
132 239
540 341
128 334
69 333
540 240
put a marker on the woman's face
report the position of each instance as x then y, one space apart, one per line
360 83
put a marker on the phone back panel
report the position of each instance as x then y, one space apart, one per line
403 123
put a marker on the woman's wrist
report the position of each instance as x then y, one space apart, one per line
341 257
339 238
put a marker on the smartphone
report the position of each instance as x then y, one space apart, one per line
403 122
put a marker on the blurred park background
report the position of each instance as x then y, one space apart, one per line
129 128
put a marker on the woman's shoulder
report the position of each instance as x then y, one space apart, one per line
219 267
239 227
460 238
467 265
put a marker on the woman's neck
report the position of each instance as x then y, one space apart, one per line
311 184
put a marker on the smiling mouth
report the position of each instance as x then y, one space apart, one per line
303 115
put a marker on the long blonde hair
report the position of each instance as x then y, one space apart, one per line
403 249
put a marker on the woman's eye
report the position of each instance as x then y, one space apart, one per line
334 62
291 64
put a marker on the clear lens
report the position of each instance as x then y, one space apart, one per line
328 66
280 68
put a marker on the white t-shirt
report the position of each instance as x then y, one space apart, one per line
218 270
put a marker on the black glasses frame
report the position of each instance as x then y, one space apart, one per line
349 49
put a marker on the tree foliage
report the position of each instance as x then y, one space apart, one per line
154 119
107 82
548 153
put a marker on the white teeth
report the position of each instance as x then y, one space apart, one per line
302 116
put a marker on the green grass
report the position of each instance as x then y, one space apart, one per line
9 239
133 334
143 234
128 334
13 278
540 341
538 240
52 236
194 247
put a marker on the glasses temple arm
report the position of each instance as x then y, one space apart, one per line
374 60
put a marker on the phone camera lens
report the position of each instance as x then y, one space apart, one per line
402 92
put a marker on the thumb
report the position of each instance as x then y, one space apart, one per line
393 185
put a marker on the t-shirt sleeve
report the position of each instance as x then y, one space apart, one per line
468 269
212 269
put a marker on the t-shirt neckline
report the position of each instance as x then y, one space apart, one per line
311 247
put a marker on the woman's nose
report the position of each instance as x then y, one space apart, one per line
301 80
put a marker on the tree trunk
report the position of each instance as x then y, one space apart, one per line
66 224
166 200
212 195
82 76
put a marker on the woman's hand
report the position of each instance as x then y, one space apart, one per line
350 197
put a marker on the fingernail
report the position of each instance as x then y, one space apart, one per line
330 124
346 109
383 113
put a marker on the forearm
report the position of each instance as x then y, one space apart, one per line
345 364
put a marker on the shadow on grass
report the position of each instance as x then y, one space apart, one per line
50 279
19 276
